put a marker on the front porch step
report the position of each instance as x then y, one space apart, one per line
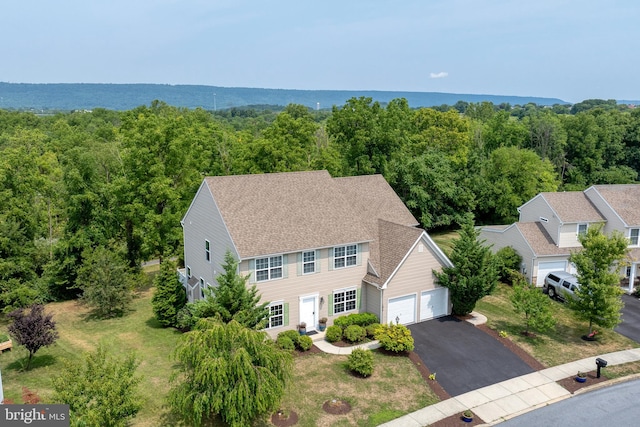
318 336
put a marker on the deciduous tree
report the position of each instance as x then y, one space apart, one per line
533 305
229 371
33 329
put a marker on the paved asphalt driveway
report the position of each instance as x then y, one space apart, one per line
630 326
463 357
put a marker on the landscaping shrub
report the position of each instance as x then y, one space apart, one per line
185 320
371 329
293 335
396 338
508 262
305 342
355 333
361 362
360 319
333 334
285 343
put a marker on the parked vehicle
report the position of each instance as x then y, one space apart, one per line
561 285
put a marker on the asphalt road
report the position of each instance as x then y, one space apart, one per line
630 326
463 357
616 405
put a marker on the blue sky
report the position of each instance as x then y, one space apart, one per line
568 49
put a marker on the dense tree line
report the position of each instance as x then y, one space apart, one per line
74 185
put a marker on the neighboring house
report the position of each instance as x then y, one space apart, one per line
550 223
315 246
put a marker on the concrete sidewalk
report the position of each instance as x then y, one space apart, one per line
510 398
326 347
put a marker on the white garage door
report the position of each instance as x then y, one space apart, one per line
547 267
434 303
402 310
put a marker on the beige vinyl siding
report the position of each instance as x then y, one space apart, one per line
203 222
371 299
323 283
569 236
413 276
613 221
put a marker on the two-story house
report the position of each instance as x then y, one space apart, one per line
550 223
315 246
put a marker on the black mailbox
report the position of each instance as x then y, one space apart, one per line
600 363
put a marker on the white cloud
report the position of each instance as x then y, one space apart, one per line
439 75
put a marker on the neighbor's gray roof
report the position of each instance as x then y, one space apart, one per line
573 206
624 199
287 212
540 241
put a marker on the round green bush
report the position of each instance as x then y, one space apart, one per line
371 329
361 362
285 343
396 338
333 334
355 333
305 342
343 321
293 335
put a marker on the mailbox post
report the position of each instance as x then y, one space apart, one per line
600 363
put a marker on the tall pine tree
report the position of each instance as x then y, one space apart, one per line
474 273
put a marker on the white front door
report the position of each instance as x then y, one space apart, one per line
308 310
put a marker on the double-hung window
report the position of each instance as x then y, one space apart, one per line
345 256
276 315
268 268
309 262
207 250
344 300
633 236
582 229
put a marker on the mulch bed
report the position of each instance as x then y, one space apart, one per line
312 350
336 407
280 420
456 421
342 343
572 385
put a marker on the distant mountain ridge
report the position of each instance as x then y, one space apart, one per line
86 96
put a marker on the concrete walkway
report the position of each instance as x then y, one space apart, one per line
504 400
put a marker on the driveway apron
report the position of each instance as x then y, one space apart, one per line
463 357
630 326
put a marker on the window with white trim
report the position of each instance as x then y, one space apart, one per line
207 250
344 300
308 262
345 256
582 229
268 268
202 287
188 272
276 315
633 236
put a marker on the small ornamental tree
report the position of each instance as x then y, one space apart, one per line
474 273
228 370
169 296
33 329
598 300
529 301
106 282
101 391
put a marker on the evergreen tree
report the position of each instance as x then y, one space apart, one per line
169 296
474 273
597 300
232 299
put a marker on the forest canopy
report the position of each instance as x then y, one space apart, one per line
74 182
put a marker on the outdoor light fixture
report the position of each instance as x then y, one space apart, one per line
600 363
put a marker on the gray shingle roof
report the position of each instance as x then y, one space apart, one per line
540 241
287 212
573 206
624 199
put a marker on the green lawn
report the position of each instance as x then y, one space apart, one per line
444 240
562 344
